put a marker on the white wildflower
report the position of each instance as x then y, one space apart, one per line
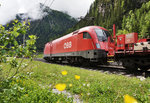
88 94
31 73
142 78
7 38
21 88
88 85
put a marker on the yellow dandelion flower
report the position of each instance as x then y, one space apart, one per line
77 77
23 82
26 95
17 80
60 87
70 85
129 99
64 72
58 101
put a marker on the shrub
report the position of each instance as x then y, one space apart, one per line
23 90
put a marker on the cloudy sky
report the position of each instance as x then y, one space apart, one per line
9 8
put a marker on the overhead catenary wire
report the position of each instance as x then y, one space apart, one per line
51 3
40 20
39 13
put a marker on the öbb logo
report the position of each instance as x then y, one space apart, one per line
67 45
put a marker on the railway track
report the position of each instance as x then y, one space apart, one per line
109 69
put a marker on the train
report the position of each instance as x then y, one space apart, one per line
95 45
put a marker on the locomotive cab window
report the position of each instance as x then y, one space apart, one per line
86 35
102 35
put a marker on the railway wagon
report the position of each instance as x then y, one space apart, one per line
134 53
88 44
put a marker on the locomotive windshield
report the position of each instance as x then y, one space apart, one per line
102 35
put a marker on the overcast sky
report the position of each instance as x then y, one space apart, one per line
9 8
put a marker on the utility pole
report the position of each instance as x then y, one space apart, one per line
24 18
24 36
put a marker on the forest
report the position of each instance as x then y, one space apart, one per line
128 15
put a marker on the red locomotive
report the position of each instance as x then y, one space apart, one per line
86 44
94 44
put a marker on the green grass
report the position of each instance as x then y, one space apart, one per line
93 86
39 55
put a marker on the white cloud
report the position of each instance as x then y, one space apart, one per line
8 11
9 8
75 8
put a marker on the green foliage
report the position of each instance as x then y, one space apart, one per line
17 87
138 21
119 12
10 47
22 89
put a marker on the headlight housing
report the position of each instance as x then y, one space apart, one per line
98 46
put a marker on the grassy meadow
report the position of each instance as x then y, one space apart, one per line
89 86
39 55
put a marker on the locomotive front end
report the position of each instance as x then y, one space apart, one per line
101 44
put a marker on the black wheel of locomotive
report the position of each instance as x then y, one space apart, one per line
144 68
93 64
59 62
86 63
71 61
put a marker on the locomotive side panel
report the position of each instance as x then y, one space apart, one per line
85 42
85 45
65 46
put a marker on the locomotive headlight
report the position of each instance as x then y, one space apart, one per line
98 46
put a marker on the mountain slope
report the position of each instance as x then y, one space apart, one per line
54 24
137 21
105 13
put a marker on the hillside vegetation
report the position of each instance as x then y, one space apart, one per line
137 21
128 15
54 24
